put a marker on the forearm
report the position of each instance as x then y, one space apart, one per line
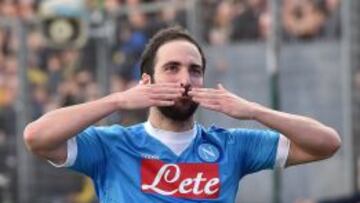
56 127
310 139
310 135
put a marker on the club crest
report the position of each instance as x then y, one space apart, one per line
208 152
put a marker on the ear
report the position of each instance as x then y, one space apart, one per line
145 79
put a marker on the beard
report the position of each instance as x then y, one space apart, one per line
182 110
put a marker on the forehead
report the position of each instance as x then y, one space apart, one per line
178 50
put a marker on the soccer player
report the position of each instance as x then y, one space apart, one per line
172 158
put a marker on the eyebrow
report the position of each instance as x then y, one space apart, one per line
193 65
172 63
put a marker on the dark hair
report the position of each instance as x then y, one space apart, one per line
163 36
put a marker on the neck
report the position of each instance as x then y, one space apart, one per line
158 120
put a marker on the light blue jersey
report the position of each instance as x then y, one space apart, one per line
129 165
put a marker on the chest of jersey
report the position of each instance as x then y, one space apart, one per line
184 180
153 172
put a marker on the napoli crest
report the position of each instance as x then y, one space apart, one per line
208 152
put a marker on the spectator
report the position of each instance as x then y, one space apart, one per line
69 93
71 62
168 15
39 100
302 19
54 69
7 114
131 41
264 24
331 26
26 9
222 28
8 9
111 6
84 80
246 21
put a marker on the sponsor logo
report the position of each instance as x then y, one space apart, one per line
149 156
184 180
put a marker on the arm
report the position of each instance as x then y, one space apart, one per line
310 139
47 136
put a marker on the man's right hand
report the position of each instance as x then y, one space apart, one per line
50 142
147 95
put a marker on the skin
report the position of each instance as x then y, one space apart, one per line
177 64
183 69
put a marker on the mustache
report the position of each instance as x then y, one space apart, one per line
188 88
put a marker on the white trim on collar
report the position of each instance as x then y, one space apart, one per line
171 136
176 141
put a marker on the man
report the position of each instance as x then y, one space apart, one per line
171 158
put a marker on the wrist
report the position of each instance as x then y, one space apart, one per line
255 111
114 100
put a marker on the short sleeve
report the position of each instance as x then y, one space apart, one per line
282 152
257 149
91 153
71 148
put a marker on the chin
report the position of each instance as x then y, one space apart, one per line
181 111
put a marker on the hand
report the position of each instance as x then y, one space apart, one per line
146 95
223 101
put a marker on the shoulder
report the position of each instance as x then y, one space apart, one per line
252 132
232 134
215 134
112 133
216 130
105 131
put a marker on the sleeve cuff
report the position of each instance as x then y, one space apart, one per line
71 154
282 151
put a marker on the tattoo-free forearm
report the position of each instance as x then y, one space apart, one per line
56 127
309 134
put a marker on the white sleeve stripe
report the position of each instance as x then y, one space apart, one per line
71 154
282 151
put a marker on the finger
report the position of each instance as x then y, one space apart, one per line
168 84
213 107
163 86
210 104
160 90
205 101
196 89
204 90
162 102
206 95
165 96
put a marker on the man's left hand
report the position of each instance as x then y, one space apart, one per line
224 101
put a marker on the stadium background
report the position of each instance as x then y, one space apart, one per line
301 56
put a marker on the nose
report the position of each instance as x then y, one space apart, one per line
184 78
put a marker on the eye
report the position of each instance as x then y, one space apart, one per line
196 70
171 67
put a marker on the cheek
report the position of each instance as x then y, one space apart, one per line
166 79
197 82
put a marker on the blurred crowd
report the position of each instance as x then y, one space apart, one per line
243 20
62 77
